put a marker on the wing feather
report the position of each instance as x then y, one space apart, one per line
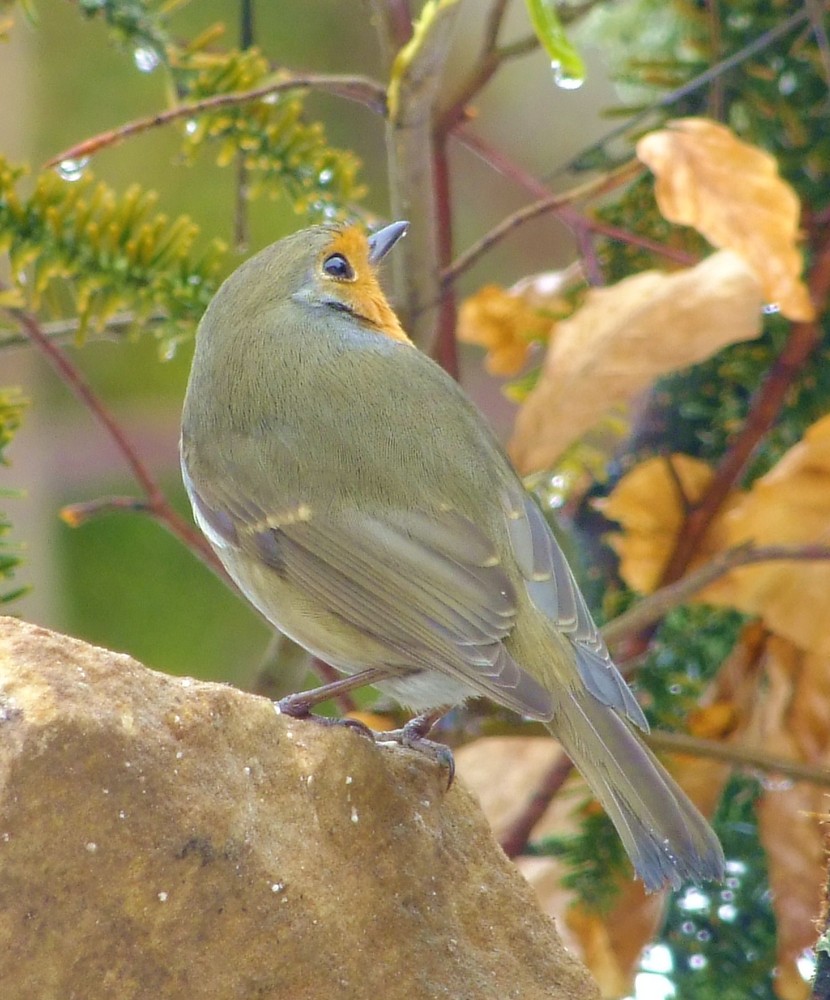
554 591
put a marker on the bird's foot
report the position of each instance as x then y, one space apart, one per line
413 735
298 706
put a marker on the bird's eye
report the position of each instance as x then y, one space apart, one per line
337 266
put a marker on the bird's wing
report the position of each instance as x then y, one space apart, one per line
554 592
429 588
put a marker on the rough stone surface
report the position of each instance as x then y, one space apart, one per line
165 838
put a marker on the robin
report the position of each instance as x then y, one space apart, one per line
362 504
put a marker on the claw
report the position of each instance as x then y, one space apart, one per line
296 706
413 737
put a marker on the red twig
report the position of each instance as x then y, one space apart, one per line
559 205
157 503
516 838
762 415
356 88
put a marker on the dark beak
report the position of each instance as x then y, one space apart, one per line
381 242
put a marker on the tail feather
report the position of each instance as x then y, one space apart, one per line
665 836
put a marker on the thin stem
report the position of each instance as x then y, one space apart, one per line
514 842
656 606
753 48
63 329
744 756
445 347
515 839
492 26
816 11
762 414
501 163
716 94
157 503
486 66
361 89
393 22
549 203
241 236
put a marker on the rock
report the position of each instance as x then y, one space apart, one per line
166 838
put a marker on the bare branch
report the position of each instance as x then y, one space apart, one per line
567 214
410 142
656 606
732 753
64 329
764 409
361 89
551 203
156 502
515 839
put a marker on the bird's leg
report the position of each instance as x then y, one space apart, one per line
298 706
414 736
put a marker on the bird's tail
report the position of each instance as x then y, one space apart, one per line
665 836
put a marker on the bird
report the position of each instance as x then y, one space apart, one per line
363 505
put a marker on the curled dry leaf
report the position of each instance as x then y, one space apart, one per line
789 505
731 192
626 336
506 321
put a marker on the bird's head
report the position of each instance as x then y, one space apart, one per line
327 268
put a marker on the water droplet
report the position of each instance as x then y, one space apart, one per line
787 83
769 308
694 899
657 958
146 59
773 784
190 126
277 886
72 170
727 912
698 962
565 80
806 963
325 176
270 98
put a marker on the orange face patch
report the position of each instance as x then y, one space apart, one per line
360 291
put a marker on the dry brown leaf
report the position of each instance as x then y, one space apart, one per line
732 193
506 322
648 505
791 721
780 705
626 336
789 505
